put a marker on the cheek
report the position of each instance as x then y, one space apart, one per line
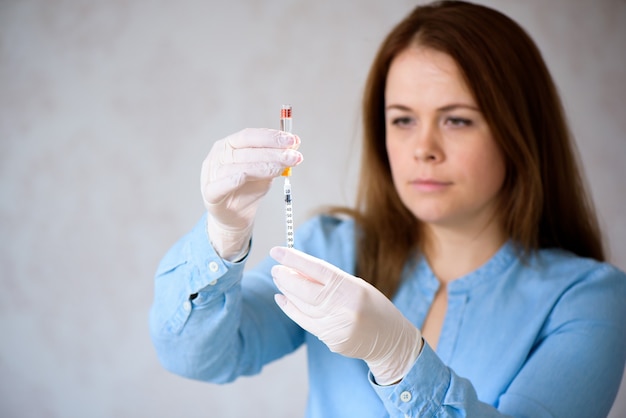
391 155
397 161
487 171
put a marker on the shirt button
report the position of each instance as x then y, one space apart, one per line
213 266
187 306
213 283
405 396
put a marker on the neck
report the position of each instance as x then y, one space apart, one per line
453 253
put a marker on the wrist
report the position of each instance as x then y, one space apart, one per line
392 368
231 244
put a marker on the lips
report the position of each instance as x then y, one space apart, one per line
430 185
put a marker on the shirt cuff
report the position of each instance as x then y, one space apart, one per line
409 395
213 274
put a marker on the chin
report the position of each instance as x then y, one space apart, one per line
430 217
429 210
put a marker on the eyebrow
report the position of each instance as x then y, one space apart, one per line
445 108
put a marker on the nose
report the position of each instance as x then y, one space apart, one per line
428 145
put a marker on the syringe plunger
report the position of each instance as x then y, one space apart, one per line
285 125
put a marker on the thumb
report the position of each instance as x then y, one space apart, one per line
215 192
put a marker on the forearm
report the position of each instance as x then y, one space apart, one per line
196 310
229 327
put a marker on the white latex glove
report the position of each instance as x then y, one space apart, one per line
237 172
349 315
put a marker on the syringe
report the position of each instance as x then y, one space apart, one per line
285 125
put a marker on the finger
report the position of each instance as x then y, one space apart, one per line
307 295
306 264
251 171
297 287
294 313
286 157
263 138
257 170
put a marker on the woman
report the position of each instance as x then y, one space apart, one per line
471 217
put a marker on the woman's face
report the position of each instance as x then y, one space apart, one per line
445 164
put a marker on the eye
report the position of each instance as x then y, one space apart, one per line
457 122
402 121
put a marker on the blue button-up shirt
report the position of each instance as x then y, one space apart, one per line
539 337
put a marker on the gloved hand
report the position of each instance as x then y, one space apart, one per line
348 314
237 172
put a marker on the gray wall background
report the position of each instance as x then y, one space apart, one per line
107 110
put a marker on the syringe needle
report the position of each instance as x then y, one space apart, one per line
285 125
288 213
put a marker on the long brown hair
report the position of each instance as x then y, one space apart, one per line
543 201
